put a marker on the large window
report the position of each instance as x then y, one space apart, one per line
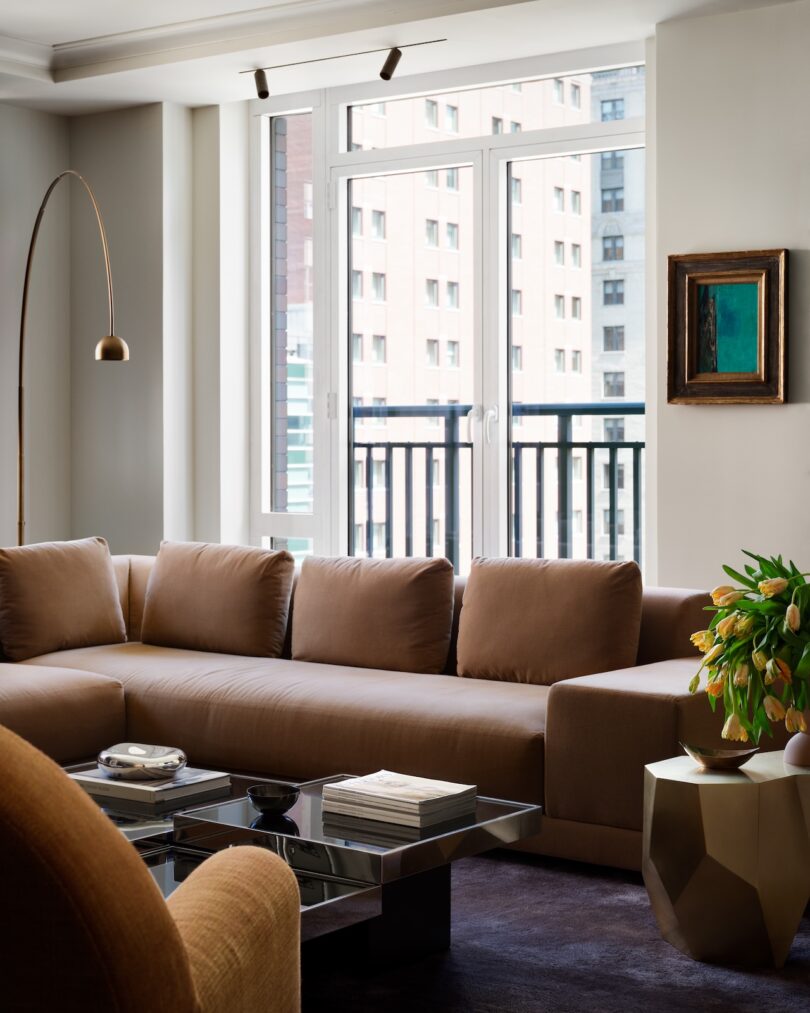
439 286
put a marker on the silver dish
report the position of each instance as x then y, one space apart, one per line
135 761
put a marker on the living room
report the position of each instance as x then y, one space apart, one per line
412 389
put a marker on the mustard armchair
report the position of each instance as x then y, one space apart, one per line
85 928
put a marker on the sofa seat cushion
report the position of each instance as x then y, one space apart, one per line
303 720
68 713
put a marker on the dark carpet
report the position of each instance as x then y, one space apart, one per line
532 935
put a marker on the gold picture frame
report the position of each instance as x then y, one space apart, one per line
727 341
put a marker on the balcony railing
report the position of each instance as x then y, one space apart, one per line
390 470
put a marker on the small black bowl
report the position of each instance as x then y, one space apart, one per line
273 796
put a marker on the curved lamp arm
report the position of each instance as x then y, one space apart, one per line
109 348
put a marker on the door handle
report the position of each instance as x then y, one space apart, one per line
473 415
490 416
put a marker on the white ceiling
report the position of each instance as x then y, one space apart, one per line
89 55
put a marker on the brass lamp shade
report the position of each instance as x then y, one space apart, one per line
112 349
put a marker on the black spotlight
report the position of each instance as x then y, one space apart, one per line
261 84
390 64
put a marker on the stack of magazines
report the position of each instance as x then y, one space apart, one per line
398 798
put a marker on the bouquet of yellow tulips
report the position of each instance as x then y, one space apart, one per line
756 651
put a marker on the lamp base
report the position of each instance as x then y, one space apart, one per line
797 750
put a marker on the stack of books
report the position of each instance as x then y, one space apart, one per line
401 799
190 784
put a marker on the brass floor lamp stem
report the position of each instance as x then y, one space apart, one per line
23 316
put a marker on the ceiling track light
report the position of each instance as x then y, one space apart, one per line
261 84
387 72
390 64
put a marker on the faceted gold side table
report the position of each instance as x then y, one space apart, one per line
726 857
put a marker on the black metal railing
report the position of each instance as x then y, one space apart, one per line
399 462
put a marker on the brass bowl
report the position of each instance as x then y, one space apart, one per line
719 759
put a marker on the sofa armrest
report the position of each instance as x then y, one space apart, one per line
601 730
669 616
239 918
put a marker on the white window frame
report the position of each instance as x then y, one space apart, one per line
333 166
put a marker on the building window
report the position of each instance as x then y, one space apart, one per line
613 384
612 109
576 96
359 475
612 199
357 284
559 252
451 179
357 402
378 224
619 476
517 357
517 302
614 430
378 474
559 360
357 347
576 361
517 190
612 247
514 127
378 538
379 402
431 113
357 221
497 125
613 338
436 477
612 160
432 352
576 307
378 286
576 254
432 178
431 292
453 354
577 518
308 201
452 236
619 521
559 307
452 295
558 198
558 91
517 86
378 348
613 293
451 119
378 108
433 420
576 202
517 246
576 468
431 232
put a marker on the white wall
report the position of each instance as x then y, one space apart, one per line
117 408
733 173
33 149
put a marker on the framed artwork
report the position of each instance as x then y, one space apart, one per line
727 328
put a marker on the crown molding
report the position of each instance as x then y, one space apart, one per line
20 58
287 21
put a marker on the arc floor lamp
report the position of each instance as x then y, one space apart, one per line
109 349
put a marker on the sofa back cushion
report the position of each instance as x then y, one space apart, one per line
55 596
395 614
229 599
543 620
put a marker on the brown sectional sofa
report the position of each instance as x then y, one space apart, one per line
578 746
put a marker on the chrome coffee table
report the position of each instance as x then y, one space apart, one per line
394 897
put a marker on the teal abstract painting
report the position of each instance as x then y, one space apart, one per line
728 327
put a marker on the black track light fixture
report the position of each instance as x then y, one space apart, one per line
261 84
390 65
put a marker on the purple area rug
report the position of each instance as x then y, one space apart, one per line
532 935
